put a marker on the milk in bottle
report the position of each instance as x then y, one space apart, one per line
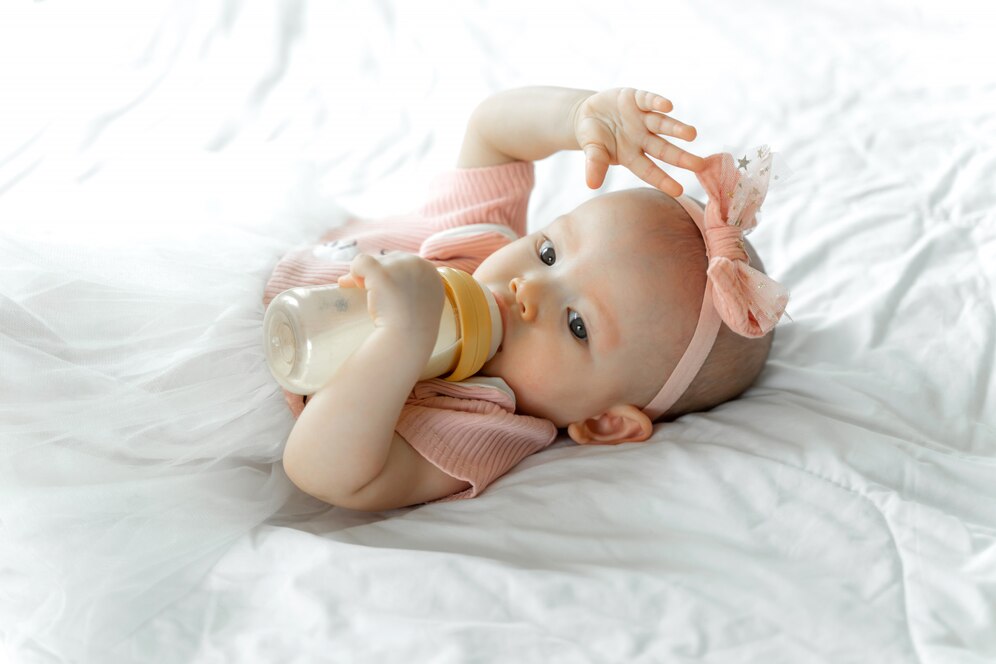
310 331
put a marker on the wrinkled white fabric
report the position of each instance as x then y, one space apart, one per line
157 158
141 425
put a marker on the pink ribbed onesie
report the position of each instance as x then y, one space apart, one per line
468 429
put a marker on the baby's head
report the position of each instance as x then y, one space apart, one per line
599 307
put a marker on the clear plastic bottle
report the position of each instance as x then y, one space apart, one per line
310 331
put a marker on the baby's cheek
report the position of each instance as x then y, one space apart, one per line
534 377
531 377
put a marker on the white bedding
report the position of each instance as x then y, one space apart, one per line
155 160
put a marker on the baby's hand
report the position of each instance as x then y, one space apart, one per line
404 292
623 126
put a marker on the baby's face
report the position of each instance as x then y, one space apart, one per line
595 315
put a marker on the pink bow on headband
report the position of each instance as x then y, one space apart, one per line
748 301
736 294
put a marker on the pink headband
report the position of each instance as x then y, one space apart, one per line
745 299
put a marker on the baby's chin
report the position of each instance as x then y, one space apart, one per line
497 367
493 367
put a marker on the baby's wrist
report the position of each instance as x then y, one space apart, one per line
572 117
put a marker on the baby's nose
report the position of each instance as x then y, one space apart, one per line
524 293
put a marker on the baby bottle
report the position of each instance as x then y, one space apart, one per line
310 331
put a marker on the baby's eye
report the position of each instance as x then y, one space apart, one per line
576 323
547 253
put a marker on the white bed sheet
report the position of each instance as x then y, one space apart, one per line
843 510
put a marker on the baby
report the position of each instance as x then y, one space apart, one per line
611 321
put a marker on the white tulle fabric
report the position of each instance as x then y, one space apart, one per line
141 429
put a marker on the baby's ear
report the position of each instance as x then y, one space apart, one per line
619 424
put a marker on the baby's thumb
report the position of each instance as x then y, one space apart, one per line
348 281
596 166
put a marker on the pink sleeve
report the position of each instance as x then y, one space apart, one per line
471 439
490 195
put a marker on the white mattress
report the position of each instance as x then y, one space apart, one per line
157 158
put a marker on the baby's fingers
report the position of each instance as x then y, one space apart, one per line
596 165
657 147
665 124
648 101
349 281
362 268
652 174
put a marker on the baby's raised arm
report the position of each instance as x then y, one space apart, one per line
618 126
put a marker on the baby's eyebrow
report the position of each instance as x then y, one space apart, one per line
567 234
